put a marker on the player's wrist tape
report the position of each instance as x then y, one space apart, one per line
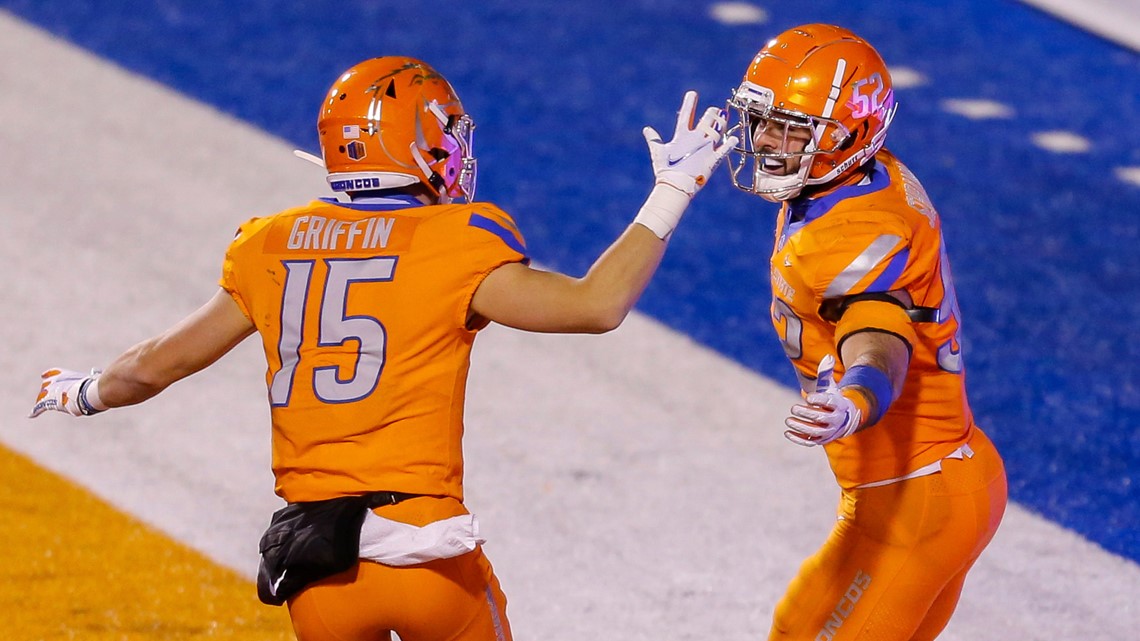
663 209
877 384
679 180
88 397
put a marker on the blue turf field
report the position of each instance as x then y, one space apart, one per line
1044 245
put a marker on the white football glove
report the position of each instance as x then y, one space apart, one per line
67 391
683 165
826 414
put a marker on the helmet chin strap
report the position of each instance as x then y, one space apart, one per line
304 155
433 179
780 188
437 181
318 161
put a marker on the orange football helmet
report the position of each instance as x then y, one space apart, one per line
394 121
818 83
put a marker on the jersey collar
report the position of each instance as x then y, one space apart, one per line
377 203
803 210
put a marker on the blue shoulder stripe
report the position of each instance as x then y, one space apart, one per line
806 210
886 280
498 229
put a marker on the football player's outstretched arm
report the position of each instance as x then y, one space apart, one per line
519 296
150 366
876 359
524 298
881 350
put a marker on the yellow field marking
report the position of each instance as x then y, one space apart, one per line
73 567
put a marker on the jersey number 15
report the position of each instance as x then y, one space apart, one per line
335 328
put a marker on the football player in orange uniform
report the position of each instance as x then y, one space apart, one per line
864 303
367 306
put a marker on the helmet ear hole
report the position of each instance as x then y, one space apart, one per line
850 139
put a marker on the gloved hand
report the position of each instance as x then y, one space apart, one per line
683 165
67 391
687 161
827 413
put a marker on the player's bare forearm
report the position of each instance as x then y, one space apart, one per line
518 296
618 277
127 380
885 352
197 341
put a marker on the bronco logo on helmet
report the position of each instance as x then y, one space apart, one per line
355 150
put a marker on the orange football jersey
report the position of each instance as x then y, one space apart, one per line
879 235
362 311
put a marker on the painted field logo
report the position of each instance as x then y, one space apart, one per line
845 606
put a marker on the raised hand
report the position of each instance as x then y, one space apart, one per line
683 165
687 161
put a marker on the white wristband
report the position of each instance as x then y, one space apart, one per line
89 395
663 209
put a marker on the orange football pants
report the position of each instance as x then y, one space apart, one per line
456 599
892 569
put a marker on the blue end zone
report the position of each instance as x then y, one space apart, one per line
1044 246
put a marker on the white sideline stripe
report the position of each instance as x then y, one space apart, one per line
635 476
1116 20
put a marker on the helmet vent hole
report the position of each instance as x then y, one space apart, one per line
340 149
853 136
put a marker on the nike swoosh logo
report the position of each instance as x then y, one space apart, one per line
671 161
277 583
